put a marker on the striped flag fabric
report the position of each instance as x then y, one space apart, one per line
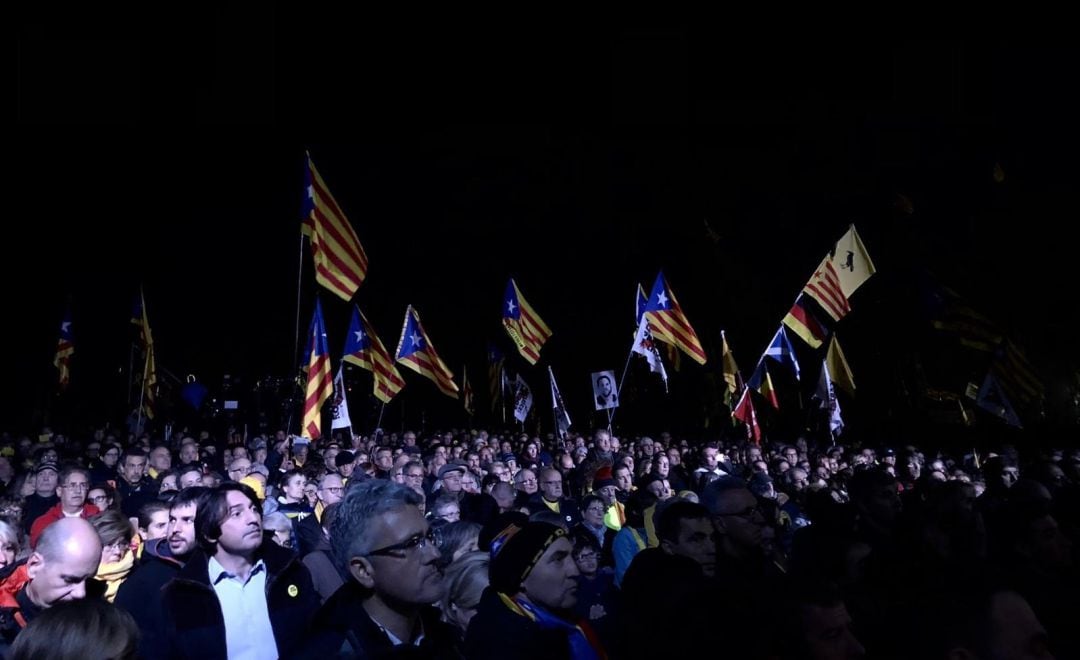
525 327
668 323
744 412
320 384
761 381
803 321
364 349
732 379
415 351
562 417
65 348
640 301
842 271
467 393
340 261
146 341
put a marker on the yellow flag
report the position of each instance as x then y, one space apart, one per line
852 262
838 367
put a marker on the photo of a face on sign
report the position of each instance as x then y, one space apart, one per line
603 383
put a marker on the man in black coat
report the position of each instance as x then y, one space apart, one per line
237 595
385 609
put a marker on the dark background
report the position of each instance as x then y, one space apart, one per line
579 164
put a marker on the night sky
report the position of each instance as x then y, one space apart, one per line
579 172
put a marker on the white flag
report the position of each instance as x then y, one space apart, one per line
523 399
646 347
826 395
341 405
562 417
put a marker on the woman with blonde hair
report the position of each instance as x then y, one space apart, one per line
465 579
117 559
9 544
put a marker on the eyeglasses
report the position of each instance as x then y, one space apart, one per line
100 499
550 483
77 486
118 546
420 541
415 476
595 509
335 489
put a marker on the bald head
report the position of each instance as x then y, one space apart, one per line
66 556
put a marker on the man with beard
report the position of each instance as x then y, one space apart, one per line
161 561
392 560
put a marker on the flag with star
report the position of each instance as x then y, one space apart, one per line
415 351
525 327
364 349
668 323
842 271
340 261
65 348
320 384
495 367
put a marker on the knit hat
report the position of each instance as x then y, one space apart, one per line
603 478
344 458
507 457
516 550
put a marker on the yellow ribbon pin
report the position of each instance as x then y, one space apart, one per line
293 590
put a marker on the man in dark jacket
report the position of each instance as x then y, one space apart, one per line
550 498
162 559
526 611
384 610
236 596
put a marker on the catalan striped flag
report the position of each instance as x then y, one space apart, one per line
146 341
668 323
842 271
65 348
320 384
364 349
523 324
340 261
415 351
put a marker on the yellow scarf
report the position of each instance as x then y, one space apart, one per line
114 574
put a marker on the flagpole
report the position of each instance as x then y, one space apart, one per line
378 424
299 281
142 392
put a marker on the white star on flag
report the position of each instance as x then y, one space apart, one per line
416 340
510 306
661 299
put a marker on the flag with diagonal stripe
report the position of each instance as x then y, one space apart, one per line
668 323
523 324
320 384
415 351
65 348
364 349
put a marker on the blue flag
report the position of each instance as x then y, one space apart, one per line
780 349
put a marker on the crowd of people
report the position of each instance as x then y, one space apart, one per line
478 545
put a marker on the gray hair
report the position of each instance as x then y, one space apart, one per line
277 522
350 533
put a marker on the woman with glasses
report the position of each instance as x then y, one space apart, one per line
103 496
592 526
117 560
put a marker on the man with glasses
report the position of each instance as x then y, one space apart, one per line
72 491
550 498
413 476
239 468
330 490
389 552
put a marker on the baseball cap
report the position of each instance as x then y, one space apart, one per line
47 465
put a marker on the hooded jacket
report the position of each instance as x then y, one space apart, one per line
140 595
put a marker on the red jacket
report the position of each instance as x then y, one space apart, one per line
51 516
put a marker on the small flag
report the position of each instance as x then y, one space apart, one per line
640 302
731 373
562 417
780 349
146 340
523 398
761 381
826 397
838 367
364 349
667 322
65 348
467 393
523 324
744 412
495 367
992 398
340 261
320 384
341 404
645 347
804 322
416 352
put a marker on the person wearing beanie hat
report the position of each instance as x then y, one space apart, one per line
604 487
526 610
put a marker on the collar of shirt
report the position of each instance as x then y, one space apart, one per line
394 639
218 572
